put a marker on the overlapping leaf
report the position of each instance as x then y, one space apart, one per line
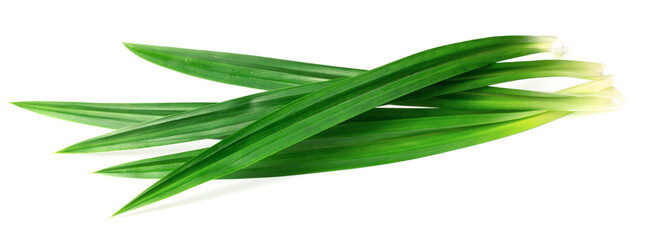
336 103
269 73
108 115
337 156
222 119
323 118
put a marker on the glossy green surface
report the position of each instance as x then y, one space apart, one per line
269 73
222 119
108 115
337 154
323 118
294 160
236 68
333 104
120 115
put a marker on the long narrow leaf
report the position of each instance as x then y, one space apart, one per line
336 103
504 102
222 119
108 115
217 121
294 160
346 135
236 68
269 73
120 115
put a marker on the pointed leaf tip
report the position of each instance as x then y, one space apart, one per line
19 104
104 171
130 206
133 47
67 150
77 148
128 45
116 213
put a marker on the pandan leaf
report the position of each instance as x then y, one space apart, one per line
336 103
269 73
236 68
331 156
222 119
108 115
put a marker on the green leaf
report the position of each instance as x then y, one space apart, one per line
111 115
329 157
269 73
517 100
293 161
511 71
108 115
225 118
126 114
336 103
219 120
346 135
236 68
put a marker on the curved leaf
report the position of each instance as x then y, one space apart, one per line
294 160
225 118
336 103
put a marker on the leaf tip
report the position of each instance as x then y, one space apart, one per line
67 150
79 147
19 104
104 171
124 209
133 47
30 105
116 213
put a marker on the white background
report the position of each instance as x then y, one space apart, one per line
581 177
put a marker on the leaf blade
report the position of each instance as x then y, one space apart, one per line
236 68
160 132
336 103
293 161
347 135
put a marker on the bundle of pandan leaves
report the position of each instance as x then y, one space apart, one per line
316 118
